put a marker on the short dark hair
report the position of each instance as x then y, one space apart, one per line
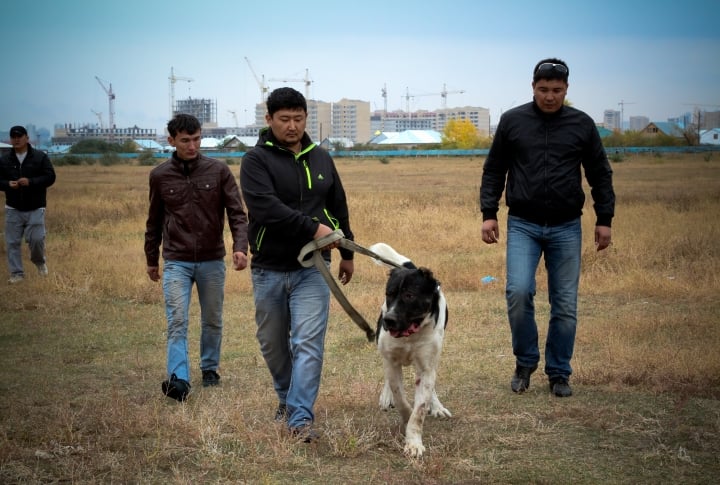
552 72
183 122
285 98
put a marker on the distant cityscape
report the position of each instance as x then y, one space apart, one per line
348 121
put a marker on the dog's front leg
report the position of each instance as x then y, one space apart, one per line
424 386
394 392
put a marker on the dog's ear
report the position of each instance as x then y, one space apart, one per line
428 274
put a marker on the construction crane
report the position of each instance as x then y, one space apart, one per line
111 105
99 117
234 115
408 96
622 113
445 92
306 80
173 79
384 95
261 84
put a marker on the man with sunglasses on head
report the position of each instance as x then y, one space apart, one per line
537 157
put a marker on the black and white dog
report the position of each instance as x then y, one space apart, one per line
410 331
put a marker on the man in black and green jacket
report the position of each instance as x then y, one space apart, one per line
294 195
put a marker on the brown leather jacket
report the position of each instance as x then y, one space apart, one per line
188 202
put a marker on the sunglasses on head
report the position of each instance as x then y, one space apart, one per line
551 66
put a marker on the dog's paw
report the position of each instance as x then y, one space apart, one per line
386 400
440 412
414 448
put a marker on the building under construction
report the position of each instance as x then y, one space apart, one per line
205 110
69 134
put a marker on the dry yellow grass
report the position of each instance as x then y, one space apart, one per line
82 352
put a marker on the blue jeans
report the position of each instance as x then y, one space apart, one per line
31 225
561 247
178 279
291 313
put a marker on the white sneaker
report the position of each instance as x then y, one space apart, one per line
42 269
16 278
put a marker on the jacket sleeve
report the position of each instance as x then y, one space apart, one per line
237 218
599 176
154 225
4 176
337 204
46 176
494 176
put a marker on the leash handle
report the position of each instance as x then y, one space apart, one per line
317 260
338 235
316 244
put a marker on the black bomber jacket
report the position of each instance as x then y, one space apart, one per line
39 171
540 157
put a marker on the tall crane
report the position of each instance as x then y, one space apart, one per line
622 104
111 105
445 92
261 84
443 95
384 95
306 80
173 79
99 117
408 96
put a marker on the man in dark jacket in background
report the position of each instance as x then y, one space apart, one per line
25 175
189 197
294 195
539 148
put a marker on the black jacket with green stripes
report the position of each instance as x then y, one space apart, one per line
287 196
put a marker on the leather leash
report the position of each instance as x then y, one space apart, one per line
315 246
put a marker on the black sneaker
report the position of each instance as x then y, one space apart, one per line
175 388
521 380
560 387
210 378
281 412
305 433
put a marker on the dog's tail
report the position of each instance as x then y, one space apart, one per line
387 252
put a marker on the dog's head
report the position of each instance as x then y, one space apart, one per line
411 301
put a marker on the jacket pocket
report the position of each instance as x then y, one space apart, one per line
173 195
334 223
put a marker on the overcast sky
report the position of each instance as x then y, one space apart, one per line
660 58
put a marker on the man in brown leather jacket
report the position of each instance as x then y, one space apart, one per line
190 194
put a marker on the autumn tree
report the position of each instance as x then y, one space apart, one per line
462 134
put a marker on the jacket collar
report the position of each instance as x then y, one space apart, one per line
547 116
268 138
187 166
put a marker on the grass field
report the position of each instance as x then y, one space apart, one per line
82 352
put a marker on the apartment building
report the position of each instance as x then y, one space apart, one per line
612 120
346 118
430 120
638 123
